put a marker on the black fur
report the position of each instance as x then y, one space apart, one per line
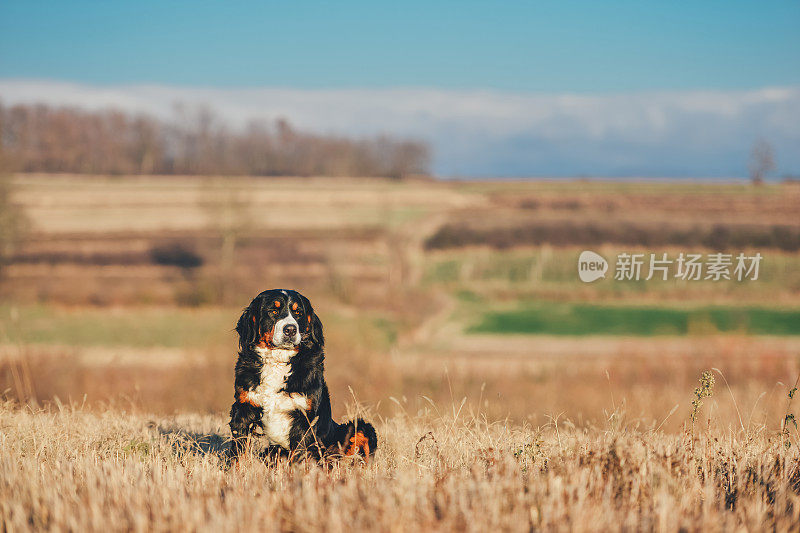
312 433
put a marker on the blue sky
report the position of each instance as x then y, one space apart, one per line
499 89
576 46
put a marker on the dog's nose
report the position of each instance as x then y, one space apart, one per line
290 330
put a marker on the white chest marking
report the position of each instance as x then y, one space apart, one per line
276 403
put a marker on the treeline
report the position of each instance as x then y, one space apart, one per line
40 138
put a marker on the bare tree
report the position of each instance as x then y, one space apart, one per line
14 222
228 214
762 161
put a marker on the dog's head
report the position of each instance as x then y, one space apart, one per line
279 319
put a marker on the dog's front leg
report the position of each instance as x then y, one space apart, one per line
245 417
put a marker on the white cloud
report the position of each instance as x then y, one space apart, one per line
682 133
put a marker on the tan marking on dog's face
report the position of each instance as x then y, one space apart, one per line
266 339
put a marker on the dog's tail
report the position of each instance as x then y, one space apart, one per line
355 437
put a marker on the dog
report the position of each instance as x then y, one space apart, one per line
279 389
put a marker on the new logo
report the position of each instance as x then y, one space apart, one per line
591 266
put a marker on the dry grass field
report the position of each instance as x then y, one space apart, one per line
69 469
507 394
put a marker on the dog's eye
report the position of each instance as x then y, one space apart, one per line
276 303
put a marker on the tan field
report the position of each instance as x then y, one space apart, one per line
507 394
69 469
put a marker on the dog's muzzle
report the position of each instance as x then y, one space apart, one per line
287 333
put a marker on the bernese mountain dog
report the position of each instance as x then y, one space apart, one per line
280 391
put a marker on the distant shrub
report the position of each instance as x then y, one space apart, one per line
176 254
530 203
567 204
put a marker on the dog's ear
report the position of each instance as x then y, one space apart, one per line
248 327
316 329
314 322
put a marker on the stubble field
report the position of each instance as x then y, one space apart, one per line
113 470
